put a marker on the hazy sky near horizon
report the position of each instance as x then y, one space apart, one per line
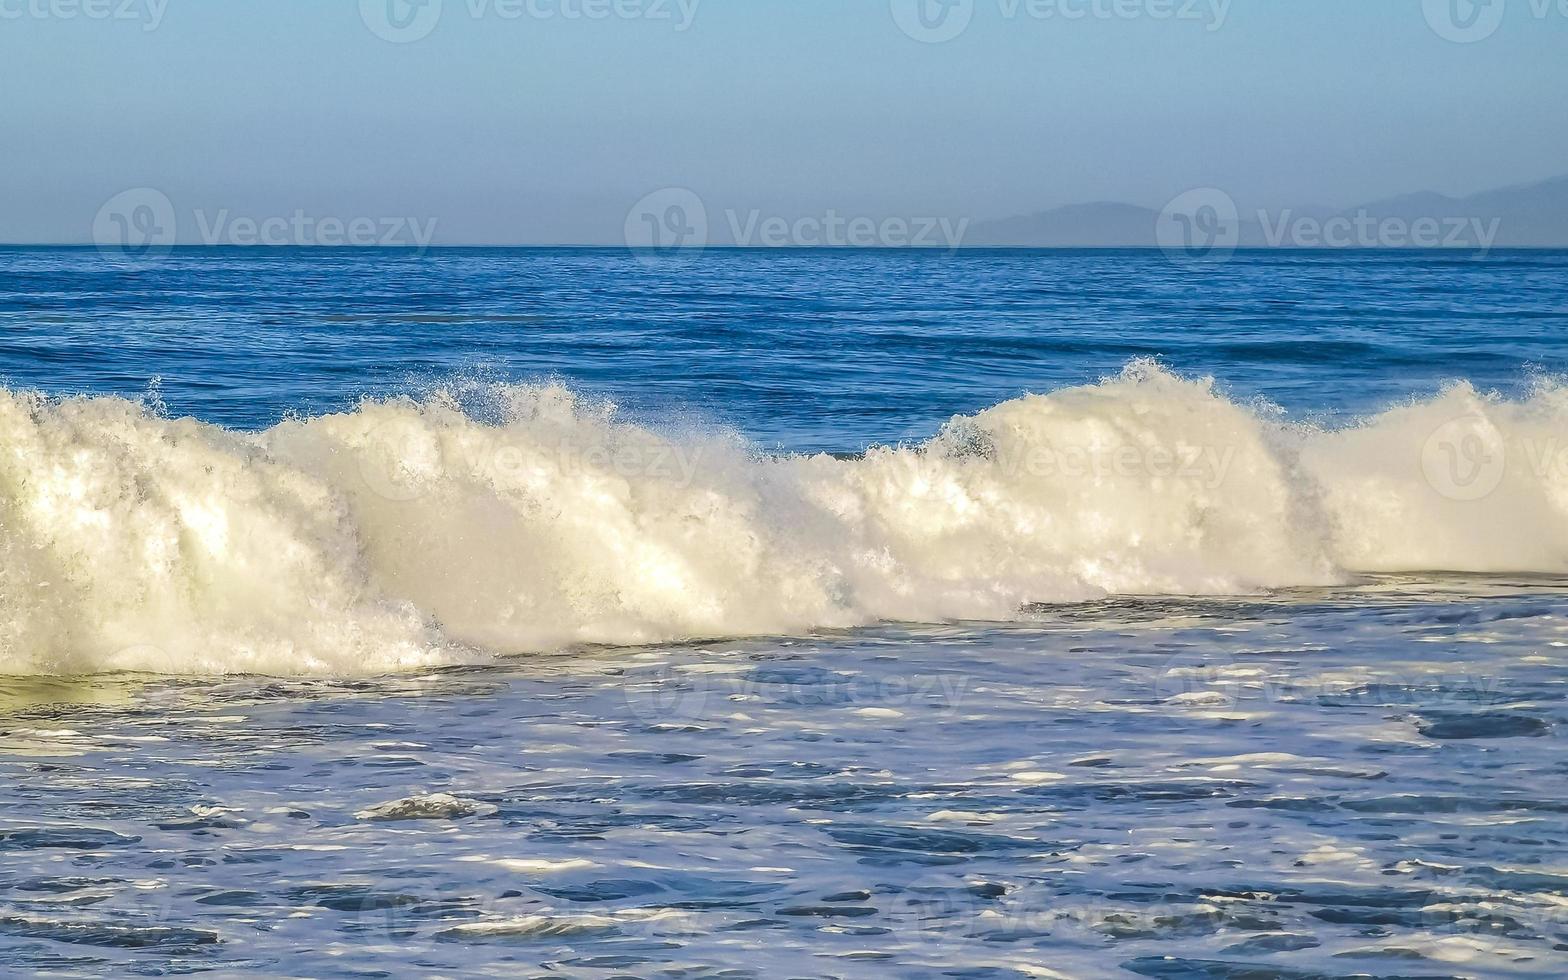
530 121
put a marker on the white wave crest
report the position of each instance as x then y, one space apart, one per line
410 533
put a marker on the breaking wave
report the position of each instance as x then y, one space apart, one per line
427 531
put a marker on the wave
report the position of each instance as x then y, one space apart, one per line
449 529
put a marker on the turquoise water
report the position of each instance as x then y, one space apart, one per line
346 629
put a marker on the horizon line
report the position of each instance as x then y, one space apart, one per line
231 246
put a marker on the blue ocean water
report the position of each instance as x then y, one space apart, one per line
800 349
345 629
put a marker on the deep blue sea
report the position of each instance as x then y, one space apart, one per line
800 349
809 613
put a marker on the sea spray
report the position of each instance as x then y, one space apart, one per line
409 532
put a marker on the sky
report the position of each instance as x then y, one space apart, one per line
557 121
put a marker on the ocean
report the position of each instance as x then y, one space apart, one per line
829 613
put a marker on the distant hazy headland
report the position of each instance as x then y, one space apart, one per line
1528 216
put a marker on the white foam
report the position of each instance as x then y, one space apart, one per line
432 806
410 533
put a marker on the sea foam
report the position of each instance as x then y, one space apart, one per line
413 532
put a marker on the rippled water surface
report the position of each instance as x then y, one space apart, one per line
804 349
1364 779
1358 782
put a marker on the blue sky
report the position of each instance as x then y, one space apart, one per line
528 121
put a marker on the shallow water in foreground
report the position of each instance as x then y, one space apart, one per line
1366 781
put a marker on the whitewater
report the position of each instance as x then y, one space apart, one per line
477 522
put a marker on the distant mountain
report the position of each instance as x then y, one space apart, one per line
1526 216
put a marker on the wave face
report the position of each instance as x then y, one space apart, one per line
452 529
